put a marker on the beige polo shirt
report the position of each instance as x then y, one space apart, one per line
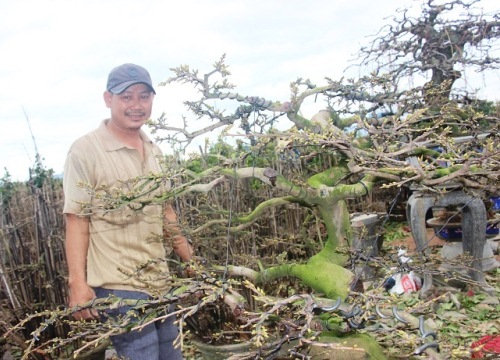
126 249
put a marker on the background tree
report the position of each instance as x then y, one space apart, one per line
445 39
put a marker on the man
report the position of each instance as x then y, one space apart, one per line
106 247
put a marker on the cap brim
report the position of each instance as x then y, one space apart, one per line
118 89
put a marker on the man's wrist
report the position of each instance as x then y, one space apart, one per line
75 282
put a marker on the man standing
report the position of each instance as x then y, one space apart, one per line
105 247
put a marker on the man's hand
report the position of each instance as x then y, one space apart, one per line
182 248
79 294
195 266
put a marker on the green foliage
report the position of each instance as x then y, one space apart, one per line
466 317
6 188
486 107
39 174
479 309
490 111
394 231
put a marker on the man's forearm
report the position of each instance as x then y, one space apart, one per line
76 248
180 243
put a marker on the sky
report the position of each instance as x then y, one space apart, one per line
55 56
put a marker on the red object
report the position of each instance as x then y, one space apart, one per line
408 284
490 344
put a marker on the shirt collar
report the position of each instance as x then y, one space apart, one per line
112 143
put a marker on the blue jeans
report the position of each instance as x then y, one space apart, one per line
153 342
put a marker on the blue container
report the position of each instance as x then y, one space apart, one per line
495 203
492 229
455 232
452 233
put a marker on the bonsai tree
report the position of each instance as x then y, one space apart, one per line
395 136
377 133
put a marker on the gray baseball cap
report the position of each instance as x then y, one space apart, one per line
123 76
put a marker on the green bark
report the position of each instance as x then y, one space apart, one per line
324 272
320 274
372 350
325 191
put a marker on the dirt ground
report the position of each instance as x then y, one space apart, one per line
409 243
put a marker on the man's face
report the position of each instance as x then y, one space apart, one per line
131 108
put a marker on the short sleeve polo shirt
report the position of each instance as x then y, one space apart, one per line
126 249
